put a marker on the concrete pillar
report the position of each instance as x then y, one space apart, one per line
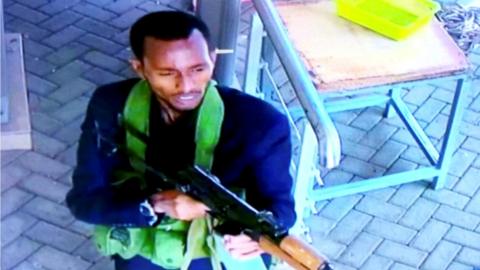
3 76
223 18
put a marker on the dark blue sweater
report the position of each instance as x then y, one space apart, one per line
253 152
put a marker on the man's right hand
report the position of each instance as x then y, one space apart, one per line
178 205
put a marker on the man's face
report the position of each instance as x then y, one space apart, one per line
178 71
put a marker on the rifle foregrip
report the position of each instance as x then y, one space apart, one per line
296 253
304 253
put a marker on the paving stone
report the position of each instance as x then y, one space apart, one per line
404 136
382 194
401 165
391 231
461 160
330 248
11 175
35 49
126 19
26 13
443 95
32 3
401 253
99 3
415 155
69 156
441 257
97 28
72 90
339 207
54 259
55 236
46 145
67 53
389 152
25 265
123 38
430 235
350 226
27 29
379 209
72 110
150 6
13 199
400 266
101 44
437 127
349 133
471 144
69 72
367 119
41 104
474 205
38 67
104 61
361 249
70 132
344 117
429 110
356 150
476 164
93 11
56 6
471 117
361 168
63 37
376 262
101 77
39 85
123 6
44 123
459 266
470 130
14 225
61 20
319 225
464 237
469 184
45 187
103 264
419 214
447 197
449 85
378 135
82 228
18 251
469 256
336 177
9 156
419 94
43 165
88 251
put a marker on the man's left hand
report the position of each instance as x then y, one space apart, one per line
241 247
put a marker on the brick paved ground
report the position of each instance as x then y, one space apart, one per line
72 46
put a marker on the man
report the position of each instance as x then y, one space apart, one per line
174 59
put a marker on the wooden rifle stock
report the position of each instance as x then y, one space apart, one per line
296 253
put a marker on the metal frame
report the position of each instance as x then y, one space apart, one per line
4 112
318 106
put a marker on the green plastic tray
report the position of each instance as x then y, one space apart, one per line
396 19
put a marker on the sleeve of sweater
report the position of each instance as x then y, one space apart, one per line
93 198
270 168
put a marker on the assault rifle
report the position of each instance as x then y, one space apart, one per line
226 206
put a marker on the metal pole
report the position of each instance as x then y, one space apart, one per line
328 138
3 75
222 17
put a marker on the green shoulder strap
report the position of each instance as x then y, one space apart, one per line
207 134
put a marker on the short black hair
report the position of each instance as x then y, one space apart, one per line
168 26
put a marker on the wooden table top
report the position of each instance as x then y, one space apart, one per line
341 55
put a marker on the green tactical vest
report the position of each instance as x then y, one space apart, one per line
173 243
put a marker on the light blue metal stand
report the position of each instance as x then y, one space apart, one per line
317 108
